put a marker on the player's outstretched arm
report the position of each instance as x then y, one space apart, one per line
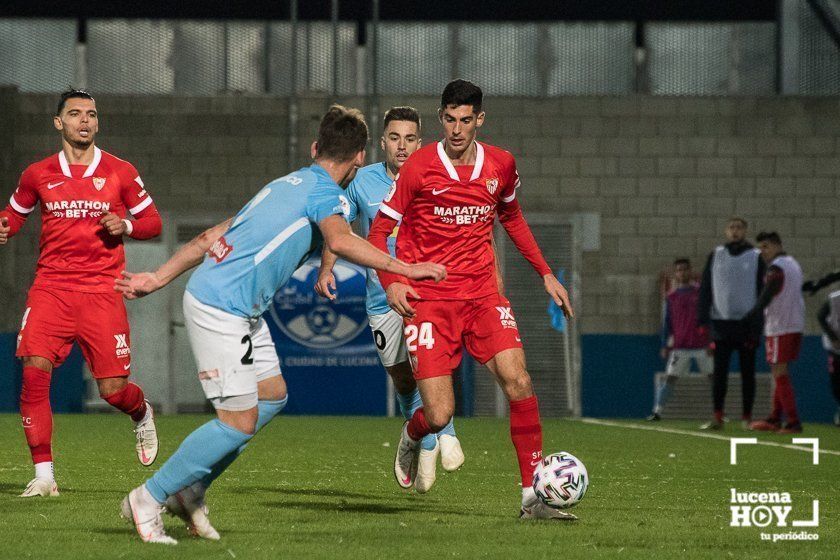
341 240
325 285
136 285
510 215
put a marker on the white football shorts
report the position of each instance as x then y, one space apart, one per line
232 353
388 336
679 361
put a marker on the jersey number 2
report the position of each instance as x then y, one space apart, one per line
422 336
247 360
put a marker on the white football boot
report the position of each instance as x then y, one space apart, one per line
40 487
144 512
426 467
451 454
533 508
405 463
188 504
147 440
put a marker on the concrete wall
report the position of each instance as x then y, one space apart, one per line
664 174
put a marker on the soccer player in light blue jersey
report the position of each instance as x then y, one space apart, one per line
244 261
400 138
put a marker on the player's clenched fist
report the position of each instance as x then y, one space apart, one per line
135 285
4 230
113 224
325 286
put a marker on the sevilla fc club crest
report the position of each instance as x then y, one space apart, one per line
99 183
492 185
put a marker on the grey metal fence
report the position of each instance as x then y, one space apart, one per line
37 55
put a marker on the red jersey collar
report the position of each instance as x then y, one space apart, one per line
447 163
65 166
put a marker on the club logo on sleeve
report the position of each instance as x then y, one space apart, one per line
99 183
122 348
492 185
344 204
220 249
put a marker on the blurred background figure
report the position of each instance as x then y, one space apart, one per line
829 318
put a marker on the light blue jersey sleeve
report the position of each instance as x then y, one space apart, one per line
353 199
325 201
365 194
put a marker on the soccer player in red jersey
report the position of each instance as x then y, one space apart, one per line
85 195
448 195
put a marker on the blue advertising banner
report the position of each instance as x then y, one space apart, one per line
326 348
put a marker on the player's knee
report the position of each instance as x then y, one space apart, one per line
272 389
518 387
439 417
36 385
37 362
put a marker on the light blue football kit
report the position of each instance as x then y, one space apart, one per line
267 240
365 193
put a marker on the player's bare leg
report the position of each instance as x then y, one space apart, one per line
189 504
36 417
129 398
508 366
436 412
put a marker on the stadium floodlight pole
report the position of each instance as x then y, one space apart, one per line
335 53
373 49
293 104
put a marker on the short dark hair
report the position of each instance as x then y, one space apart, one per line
682 260
737 219
770 236
343 133
462 92
71 94
401 114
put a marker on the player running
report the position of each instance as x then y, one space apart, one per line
400 139
248 258
446 198
85 195
784 321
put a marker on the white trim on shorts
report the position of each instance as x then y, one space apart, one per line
679 361
232 353
388 332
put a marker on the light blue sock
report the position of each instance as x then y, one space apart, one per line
449 429
267 410
195 457
408 404
662 396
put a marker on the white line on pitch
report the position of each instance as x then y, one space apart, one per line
695 434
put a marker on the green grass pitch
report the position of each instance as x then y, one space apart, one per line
311 487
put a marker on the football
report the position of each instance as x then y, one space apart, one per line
560 480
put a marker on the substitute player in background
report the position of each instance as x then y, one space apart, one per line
248 259
400 139
682 340
783 306
85 196
829 318
447 196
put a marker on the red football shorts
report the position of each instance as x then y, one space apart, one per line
54 319
783 348
439 329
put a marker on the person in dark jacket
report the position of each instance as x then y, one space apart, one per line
732 279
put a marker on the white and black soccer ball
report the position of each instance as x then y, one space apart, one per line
560 480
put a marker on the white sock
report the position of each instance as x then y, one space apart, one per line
44 470
528 495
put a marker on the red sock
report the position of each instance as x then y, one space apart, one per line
719 416
787 398
776 414
526 433
36 413
130 399
418 428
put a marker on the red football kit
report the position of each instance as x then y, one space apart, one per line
446 216
73 297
